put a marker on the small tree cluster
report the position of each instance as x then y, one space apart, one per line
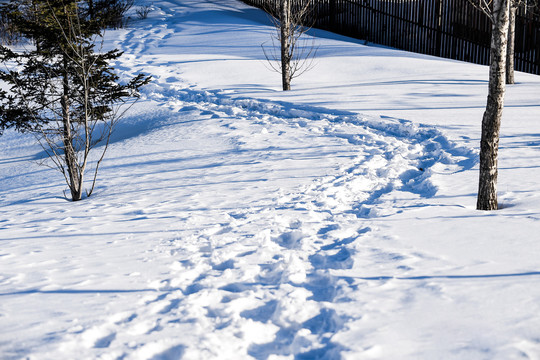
61 89
501 71
529 6
108 13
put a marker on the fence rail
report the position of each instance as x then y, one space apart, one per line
452 29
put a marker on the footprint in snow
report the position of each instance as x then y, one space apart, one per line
105 341
290 240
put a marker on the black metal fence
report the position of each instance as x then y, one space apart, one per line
452 29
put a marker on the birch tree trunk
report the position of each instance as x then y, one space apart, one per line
285 11
491 122
75 181
511 44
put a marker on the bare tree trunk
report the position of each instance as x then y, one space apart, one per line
491 122
75 181
296 53
91 8
511 44
285 11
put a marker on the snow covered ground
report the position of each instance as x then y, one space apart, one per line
235 221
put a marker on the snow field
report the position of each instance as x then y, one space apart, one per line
269 250
231 221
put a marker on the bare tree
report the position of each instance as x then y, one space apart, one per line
296 51
498 12
510 51
530 6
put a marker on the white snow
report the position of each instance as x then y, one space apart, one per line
232 220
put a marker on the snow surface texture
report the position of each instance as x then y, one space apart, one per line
234 221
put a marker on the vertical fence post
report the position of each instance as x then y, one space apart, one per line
438 27
332 16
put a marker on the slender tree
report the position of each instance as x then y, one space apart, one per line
296 52
530 6
286 43
498 12
510 51
61 89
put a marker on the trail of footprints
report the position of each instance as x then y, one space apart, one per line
264 280
268 269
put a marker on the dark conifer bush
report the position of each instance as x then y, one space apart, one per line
62 88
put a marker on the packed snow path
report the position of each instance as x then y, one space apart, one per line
229 227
